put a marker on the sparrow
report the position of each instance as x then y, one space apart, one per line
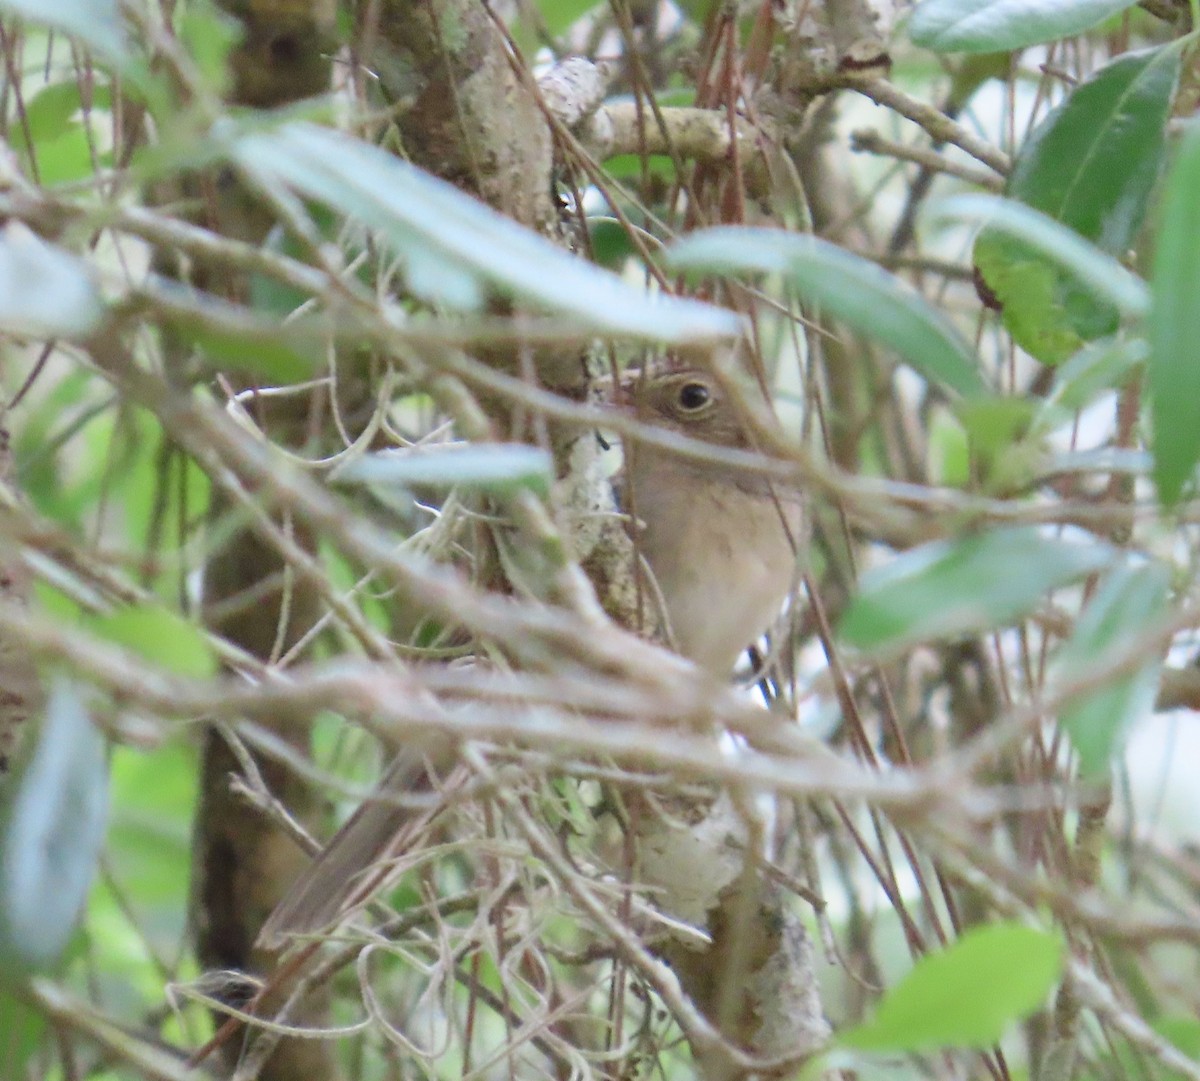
718 550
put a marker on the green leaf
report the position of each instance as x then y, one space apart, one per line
632 167
967 995
1065 167
63 148
500 468
996 422
51 112
160 636
561 15
952 588
1174 327
1183 1032
1046 313
51 831
454 245
44 292
852 289
1065 170
985 26
1062 246
210 35
149 837
611 245
23 1027
1005 455
268 352
68 157
1131 600
96 23
1100 366
949 450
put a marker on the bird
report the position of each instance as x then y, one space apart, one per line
719 549
721 544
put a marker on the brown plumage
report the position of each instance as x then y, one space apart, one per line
721 543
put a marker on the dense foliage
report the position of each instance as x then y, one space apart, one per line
311 315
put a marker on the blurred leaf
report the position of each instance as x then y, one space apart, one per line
1065 170
64 454
1097 367
985 26
1102 274
953 588
99 451
149 836
966 995
561 15
96 23
377 610
455 245
56 603
852 289
969 73
62 146
69 157
209 35
1006 454
1130 601
1127 1061
493 467
628 167
269 296
1174 326
610 242
156 486
278 354
44 292
51 112
995 422
949 451
161 636
22 1027
1039 306
1183 1033
33 440
185 145
1065 167
51 831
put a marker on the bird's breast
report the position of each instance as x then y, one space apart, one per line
723 559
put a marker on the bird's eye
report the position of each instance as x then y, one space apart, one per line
693 396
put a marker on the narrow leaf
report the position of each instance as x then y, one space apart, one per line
986 26
1097 367
51 831
455 245
856 291
282 356
97 23
1131 600
161 636
44 292
962 587
1174 327
24 1028
967 995
1061 245
500 468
